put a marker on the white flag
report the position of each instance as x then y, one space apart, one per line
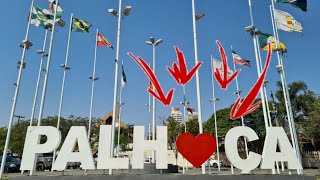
286 22
218 64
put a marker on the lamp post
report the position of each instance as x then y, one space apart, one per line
194 19
153 43
118 14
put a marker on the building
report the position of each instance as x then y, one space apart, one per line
176 114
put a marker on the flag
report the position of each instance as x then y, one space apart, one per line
184 100
123 78
53 7
190 109
264 39
42 17
286 22
79 25
218 64
301 4
239 60
103 41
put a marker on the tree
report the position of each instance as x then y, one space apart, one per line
125 137
193 126
174 131
224 123
253 120
305 107
312 125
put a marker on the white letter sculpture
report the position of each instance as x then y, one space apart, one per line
277 136
231 148
77 134
140 145
104 159
32 144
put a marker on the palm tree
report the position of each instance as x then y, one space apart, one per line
302 100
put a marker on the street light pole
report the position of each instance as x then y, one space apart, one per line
116 72
154 44
197 72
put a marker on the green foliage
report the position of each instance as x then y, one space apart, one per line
174 130
193 126
305 106
224 123
125 137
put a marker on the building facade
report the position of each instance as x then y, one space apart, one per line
176 114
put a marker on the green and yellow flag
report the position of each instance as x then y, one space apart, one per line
265 38
79 25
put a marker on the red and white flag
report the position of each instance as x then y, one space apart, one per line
103 41
239 60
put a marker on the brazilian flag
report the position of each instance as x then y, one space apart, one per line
301 4
79 25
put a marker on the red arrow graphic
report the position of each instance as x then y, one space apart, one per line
243 108
166 100
225 81
180 72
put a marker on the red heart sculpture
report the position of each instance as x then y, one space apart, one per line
196 149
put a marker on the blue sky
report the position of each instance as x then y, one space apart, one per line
165 19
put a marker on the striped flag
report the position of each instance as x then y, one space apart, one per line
103 41
218 64
239 60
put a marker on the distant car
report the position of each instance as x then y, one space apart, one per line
147 160
214 163
44 162
12 164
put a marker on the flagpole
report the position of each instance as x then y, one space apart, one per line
45 83
93 79
214 99
115 92
238 93
256 49
283 87
65 68
281 71
258 64
197 74
119 127
39 77
264 89
16 94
